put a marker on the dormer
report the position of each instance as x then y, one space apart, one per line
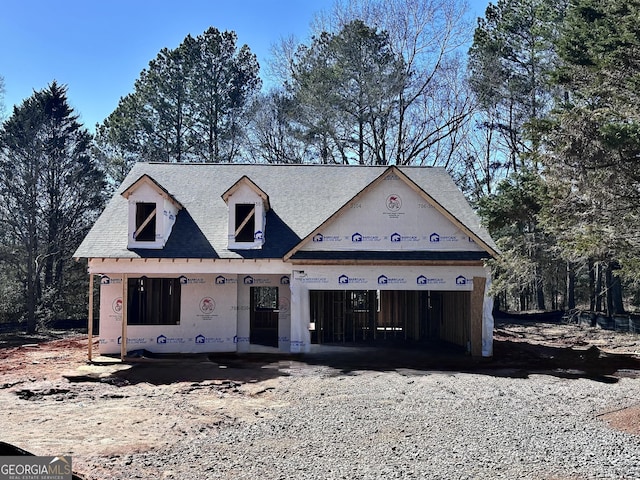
152 213
248 206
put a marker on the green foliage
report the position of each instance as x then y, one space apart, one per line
593 137
11 296
345 88
527 258
51 192
515 206
510 63
190 104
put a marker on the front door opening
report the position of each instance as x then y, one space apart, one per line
264 316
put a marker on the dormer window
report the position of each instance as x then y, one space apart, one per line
245 222
152 214
145 222
248 206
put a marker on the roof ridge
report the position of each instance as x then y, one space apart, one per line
292 165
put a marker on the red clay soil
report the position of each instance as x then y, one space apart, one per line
64 392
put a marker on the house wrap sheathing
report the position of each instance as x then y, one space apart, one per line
216 257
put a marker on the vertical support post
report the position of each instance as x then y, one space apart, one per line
477 301
90 321
125 308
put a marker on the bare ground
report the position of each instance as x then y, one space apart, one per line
53 402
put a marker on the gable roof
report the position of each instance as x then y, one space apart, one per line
155 185
428 198
301 197
247 181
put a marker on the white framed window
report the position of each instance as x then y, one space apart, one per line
245 223
248 206
146 214
152 214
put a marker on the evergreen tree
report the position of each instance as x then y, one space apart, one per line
528 266
592 142
433 107
345 88
50 191
510 63
190 104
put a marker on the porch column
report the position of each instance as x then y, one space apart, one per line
90 321
477 304
125 308
300 316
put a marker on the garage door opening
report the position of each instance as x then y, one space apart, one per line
352 316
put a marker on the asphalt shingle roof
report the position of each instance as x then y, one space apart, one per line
302 197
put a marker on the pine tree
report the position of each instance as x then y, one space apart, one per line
50 191
592 141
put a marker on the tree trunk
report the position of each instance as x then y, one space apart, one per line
592 286
598 290
615 304
31 295
540 305
571 287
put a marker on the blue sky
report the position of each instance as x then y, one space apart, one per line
98 48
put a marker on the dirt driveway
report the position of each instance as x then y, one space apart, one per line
104 415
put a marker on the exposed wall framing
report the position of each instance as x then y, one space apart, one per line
339 316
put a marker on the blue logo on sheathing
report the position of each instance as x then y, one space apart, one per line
356 237
462 280
422 280
285 280
437 238
396 237
345 279
384 280
220 280
201 339
318 237
164 340
248 280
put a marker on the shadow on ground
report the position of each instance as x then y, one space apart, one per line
511 359
515 359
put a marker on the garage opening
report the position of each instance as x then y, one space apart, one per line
343 316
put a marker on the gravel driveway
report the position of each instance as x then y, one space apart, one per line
372 414
325 424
